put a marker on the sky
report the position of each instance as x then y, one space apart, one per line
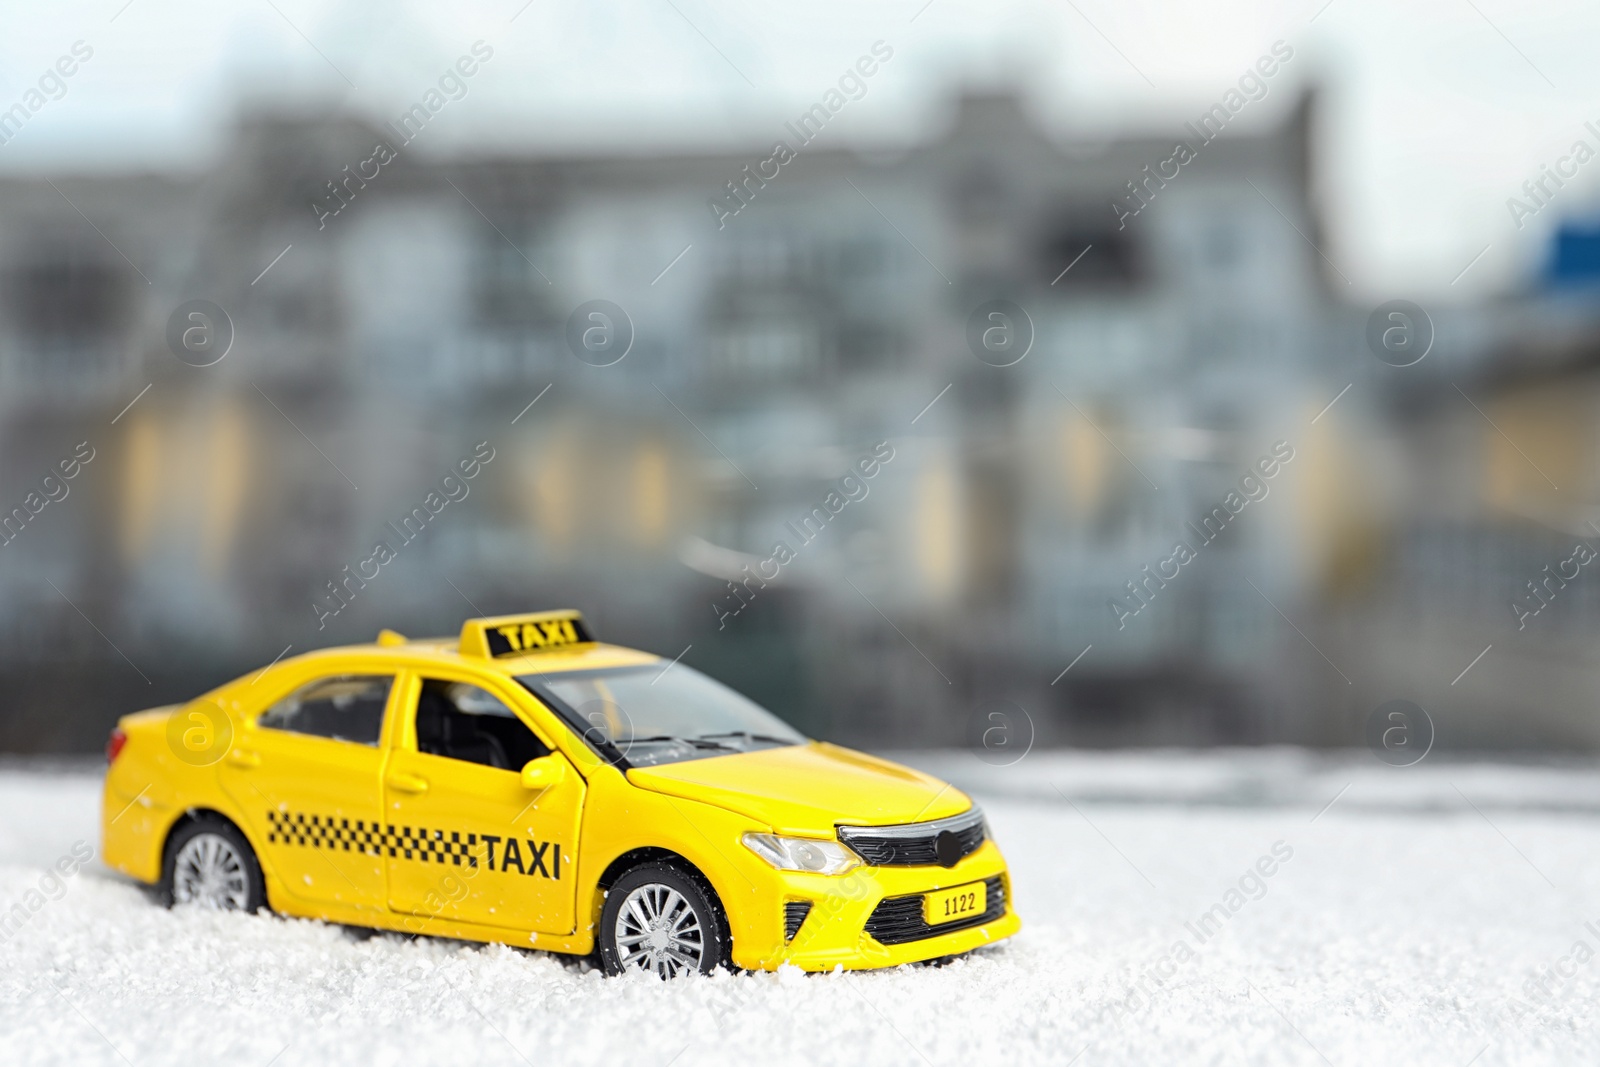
1435 111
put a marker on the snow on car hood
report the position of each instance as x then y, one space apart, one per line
807 789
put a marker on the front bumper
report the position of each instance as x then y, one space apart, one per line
846 910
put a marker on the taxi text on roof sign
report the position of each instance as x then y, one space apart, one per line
514 635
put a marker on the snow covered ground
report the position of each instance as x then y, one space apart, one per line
1431 915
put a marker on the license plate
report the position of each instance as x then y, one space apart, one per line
949 905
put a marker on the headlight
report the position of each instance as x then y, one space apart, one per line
802 853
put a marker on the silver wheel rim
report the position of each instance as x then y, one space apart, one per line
657 930
210 872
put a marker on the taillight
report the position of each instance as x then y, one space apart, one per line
114 744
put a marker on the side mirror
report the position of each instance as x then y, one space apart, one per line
544 772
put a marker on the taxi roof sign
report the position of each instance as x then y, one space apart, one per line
516 635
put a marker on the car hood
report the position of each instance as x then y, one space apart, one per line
807 789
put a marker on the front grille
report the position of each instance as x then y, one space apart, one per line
916 844
897 920
794 916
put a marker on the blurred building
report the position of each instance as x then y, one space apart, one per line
387 316
1487 545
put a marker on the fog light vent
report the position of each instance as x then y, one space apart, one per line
794 915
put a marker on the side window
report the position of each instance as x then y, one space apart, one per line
348 707
464 722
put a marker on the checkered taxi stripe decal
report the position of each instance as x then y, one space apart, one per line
412 843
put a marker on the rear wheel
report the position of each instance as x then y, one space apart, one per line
659 917
210 864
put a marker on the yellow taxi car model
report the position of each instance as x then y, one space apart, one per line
527 785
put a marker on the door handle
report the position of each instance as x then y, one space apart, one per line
407 783
241 757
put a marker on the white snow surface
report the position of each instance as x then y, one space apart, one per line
1411 925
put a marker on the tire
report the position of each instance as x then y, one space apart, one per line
693 930
209 863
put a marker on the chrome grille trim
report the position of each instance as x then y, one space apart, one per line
914 844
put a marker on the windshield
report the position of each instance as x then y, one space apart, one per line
643 716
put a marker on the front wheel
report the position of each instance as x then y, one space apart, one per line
658 917
209 863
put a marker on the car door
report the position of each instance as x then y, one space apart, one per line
306 773
469 841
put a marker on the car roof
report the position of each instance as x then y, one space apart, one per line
486 644
443 650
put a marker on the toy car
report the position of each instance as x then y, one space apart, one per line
526 784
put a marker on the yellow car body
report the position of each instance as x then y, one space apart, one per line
380 833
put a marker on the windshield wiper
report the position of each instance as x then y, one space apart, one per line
754 737
697 742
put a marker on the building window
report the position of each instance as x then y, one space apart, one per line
68 309
508 290
1099 254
